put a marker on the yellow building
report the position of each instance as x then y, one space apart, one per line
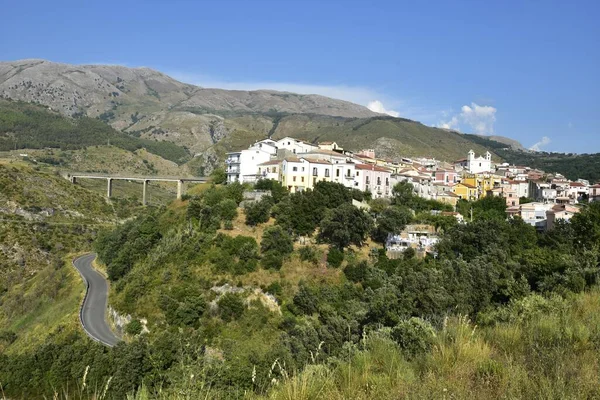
298 174
466 191
483 182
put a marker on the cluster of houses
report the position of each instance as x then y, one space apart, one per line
299 165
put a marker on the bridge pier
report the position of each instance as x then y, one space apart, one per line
145 189
179 189
109 187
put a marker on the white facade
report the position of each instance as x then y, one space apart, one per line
270 170
296 146
345 173
242 166
476 165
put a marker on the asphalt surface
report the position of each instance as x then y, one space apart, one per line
93 311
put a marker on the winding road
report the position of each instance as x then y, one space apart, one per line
93 310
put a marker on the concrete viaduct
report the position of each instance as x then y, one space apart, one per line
75 176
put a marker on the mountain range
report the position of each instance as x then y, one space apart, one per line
207 122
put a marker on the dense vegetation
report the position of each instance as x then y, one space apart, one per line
28 126
295 307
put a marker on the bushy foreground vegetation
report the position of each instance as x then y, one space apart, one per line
28 126
285 300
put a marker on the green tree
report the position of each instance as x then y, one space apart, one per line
259 212
345 225
391 221
218 176
231 307
275 239
228 210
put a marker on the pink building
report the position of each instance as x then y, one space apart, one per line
446 176
374 179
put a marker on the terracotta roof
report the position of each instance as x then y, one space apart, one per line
577 184
272 162
467 185
312 161
328 152
292 159
326 143
371 167
596 186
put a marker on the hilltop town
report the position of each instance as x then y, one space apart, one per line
538 197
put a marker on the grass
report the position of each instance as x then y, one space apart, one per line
51 314
552 354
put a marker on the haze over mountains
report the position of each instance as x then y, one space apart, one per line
208 122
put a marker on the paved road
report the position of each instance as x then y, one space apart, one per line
92 314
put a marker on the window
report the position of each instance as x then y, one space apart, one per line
356 173
315 171
302 169
302 179
337 172
387 181
327 173
378 181
295 169
447 178
274 169
368 180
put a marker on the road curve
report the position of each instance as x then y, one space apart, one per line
93 310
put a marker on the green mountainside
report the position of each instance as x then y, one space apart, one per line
29 126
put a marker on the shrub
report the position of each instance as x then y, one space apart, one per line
308 253
231 307
335 257
275 239
356 272
227 210
415 336
259 212
272 260
134 327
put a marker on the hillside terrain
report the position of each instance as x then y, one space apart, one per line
209 122
292 297
43 219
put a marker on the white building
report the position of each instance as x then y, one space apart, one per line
476 165
296 146
270 170
242 166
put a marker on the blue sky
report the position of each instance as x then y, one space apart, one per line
524 69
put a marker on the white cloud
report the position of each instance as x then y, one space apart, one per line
480 119
377 106
542 143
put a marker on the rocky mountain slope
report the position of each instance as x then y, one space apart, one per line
209 122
